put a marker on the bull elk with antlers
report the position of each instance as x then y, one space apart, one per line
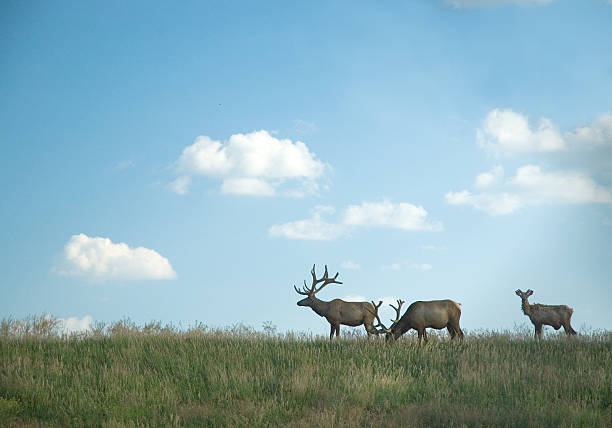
421 315
553 315
337 312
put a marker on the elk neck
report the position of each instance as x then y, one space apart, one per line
319 306
525 306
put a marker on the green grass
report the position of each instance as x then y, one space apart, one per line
124 375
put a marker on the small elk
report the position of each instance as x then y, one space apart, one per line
421 315
337 311
553 315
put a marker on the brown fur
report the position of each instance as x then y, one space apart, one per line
556 316
338 312
436 314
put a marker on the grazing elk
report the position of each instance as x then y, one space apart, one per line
421 315
553 315
337 311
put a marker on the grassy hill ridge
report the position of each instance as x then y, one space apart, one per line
125 375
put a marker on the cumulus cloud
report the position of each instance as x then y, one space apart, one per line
101 258
593 135
532 186
491 178
558 187
492 203
460 4
354 298
256 163
247 186
384 214
180 185
75 324
507 132
312 229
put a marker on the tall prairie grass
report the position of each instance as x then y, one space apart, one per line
124 375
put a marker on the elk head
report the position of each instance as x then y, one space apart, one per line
310 292
390 333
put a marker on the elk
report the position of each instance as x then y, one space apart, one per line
553 315
337 311
421 315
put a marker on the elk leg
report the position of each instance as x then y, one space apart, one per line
460 332
425 336
337 331
451 331
569 330
370 329
538 331
457 329
420 332
331 332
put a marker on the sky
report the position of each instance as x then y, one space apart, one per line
192 162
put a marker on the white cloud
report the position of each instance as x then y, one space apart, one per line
559 187
247 186
460 4
312 229
492 203
252 164
386 214
532 186
180 185
75 324
100 258
354 298
403 216
393 266
350 264
507 132
490 179
596 134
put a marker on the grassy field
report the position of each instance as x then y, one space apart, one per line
125 375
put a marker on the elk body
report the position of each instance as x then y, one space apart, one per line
553 315
436 314
337 312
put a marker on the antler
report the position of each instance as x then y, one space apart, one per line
383 329
397 310
313 289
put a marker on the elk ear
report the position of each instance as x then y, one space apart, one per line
518 292
529 292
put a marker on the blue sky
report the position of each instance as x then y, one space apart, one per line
192 162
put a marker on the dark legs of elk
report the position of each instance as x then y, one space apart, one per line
422 334
371 330
454 330
569 330
334 328
538 331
